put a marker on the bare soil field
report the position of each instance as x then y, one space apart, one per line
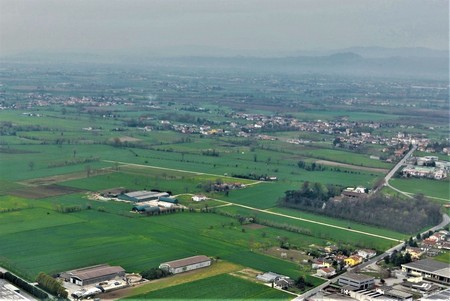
43 191
331 163
128 139
254 226
292 255
65 177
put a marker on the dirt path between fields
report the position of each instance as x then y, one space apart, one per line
332 163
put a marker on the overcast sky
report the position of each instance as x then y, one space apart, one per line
269 25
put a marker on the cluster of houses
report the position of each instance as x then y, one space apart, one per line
432 245
426 167
427 278
276 280
324 266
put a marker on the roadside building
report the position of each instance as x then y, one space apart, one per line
326 272
93 274
353 260
357 281
186 264
429 269
367 253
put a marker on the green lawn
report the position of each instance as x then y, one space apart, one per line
428 187
317 230
217 287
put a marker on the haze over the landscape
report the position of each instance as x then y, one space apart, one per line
220 28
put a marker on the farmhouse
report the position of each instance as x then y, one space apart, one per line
186 264
355 192
429 269
93 274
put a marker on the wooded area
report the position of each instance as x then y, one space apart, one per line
406 216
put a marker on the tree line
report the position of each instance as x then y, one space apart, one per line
51 285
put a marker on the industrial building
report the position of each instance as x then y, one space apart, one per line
186 264
93 274
429 269
357 281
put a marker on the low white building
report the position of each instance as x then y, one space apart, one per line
199 198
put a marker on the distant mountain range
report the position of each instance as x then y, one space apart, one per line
357 61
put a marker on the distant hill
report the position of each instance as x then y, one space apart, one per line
357 61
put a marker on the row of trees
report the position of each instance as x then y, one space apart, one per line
51 285
406 216
154 273
19 282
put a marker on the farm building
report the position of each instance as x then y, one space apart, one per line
186 264
142 196
145 208
140 208
168 200
93 274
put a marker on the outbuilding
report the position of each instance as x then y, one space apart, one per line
93 274
186 264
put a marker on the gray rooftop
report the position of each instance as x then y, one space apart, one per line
357 277
431 266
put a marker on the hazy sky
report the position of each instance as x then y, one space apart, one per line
269 25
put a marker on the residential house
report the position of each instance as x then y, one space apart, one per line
318 263
414 252
353 260
284 283
326 272
367 253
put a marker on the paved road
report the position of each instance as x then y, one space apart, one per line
392 172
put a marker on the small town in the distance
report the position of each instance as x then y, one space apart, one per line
158 181
292 150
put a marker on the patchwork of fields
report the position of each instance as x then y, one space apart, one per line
42 176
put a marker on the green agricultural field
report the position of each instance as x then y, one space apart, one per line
221 286
340 222
321 231
444 257
346 157
434 188
63 241
263 195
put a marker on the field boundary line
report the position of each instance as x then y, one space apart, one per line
312 221
185 171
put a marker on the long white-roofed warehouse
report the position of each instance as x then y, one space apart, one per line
93 274
186 264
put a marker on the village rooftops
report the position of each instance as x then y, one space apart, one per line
186 261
